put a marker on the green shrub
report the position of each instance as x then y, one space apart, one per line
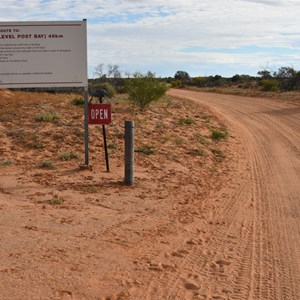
218 135
144 89
269 85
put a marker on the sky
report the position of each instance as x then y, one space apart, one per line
200 37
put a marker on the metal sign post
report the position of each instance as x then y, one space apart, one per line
100 114
86 126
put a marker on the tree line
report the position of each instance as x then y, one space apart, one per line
284 79
143 89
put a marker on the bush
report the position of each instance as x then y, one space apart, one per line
269 85
176 84
144 89
110 90
78 101
218 135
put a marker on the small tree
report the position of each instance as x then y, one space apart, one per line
144 89
182 75
287 78
264 74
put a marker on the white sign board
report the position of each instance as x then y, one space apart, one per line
43 54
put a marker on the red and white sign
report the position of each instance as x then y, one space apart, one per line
99 114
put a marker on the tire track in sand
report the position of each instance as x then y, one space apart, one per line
254 253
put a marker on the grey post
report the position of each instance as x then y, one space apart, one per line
86 125
129 152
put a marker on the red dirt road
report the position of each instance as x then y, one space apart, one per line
256 253
206 219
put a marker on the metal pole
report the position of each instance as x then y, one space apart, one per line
105 148
129 153
86 125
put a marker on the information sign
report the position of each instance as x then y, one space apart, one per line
43 54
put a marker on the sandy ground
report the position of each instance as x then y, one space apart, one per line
206 219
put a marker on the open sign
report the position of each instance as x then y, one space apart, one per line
99 113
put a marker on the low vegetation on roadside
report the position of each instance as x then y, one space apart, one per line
47 117
6 162
47 164
144 89
167 129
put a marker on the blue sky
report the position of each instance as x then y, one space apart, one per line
201 37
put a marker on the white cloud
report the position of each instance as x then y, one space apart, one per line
144 34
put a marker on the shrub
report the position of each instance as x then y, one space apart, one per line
176 84
110 90
269 85
218 135
144 89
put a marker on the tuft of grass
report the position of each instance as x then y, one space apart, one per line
218 135
164 140
148 150
47 164
39 146
206 118
219 155
47 117
56 201
6 162
196 152
91 190
201 139
178 141
186 121
112 146
78 101
68 155
213 169
160 125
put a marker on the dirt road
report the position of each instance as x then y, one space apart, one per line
255 252
206 219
